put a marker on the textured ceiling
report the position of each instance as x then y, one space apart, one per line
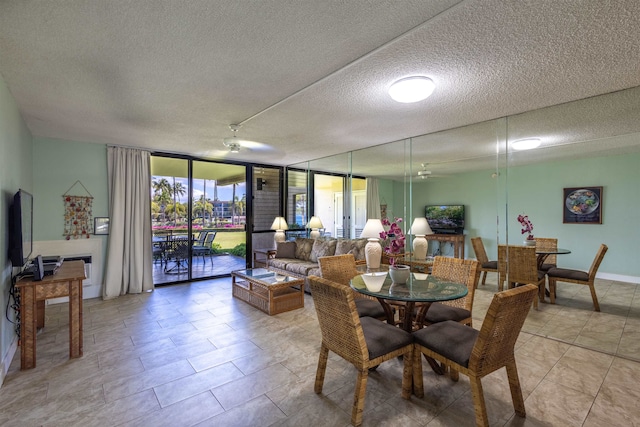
309 79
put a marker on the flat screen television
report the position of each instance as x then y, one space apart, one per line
21 228
445 218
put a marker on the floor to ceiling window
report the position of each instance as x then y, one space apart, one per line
198 218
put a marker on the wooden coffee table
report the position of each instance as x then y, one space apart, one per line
267 291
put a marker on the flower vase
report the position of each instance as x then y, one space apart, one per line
399 273
530 242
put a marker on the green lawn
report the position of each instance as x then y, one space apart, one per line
229 240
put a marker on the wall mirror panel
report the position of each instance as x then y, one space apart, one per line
590 143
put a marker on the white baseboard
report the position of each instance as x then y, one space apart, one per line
6 361
618 278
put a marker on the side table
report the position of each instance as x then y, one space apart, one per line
260 257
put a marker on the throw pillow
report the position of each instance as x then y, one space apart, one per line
303 248
286 250
323 248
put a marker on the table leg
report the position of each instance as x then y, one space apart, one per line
28 327
75 319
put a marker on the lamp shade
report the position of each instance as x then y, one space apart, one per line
314 222
279 224
420 227
372 229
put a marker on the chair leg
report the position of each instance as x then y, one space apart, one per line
516 390
418 386
358 397
407 372
552 290
478 401
322 367
594 297
484 277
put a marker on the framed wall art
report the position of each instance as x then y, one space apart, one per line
582 205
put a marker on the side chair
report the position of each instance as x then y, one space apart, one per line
486 266
455 270
478 353
520 266
576 276
364 342
341 269
548 243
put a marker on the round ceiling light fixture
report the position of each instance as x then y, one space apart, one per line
411 89
526 144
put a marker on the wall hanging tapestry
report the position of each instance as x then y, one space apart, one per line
78 223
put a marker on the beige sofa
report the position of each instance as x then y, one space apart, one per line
299 258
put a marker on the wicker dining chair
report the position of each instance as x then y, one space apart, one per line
364 342
341 269
549 244
520 266
576 276
486 266
454 270
478 353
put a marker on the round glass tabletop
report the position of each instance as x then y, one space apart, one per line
419 288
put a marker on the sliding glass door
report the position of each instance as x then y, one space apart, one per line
198 218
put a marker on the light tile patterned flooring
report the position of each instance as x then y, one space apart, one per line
190 354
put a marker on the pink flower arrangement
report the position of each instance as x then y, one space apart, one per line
527 226
393 239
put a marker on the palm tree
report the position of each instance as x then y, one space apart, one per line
161 193
178 189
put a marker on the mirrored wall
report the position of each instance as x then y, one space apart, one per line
579 185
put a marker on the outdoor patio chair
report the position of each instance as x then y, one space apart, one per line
364 342
206 248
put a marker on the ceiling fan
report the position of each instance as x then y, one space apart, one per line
235 144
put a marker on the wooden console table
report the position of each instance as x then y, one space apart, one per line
456 239
66 282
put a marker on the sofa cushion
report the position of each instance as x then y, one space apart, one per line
315 271
286 250
351 246
303 248
280 263
322 248
301 267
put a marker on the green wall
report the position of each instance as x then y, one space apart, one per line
537 191
15 173
57 165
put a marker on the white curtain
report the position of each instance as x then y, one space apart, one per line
373 199
129 252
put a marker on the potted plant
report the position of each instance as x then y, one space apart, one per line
527 228
393 241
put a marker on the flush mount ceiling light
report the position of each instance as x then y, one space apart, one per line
411 89
233 143
526 144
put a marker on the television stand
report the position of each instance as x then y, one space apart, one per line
456 239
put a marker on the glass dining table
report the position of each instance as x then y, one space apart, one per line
419 288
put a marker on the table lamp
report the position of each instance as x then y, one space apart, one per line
373 250
279 224
314 224
420 228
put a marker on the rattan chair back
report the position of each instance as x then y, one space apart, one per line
339 321
478 248
548 243
338 268
500 329
459 271
483 259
